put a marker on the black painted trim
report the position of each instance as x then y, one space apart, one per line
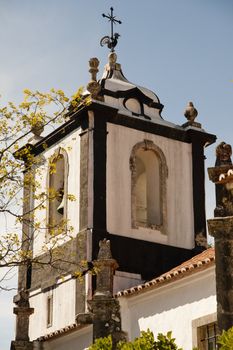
134 255
184 135
99 149
99 179
137 256
146 258
141 106
77 120
133 93
111 115
198 175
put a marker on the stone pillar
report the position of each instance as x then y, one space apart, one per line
104 308
222 231
105 266
221 228
23 312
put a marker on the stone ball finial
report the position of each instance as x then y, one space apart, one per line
190 113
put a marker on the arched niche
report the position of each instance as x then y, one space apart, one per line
57 187
149 173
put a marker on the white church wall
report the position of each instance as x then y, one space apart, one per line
172 307
179 217
79 340
124 280
71 144
63 309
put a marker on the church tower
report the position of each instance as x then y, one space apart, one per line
138 181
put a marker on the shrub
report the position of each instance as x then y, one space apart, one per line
225 340
146 341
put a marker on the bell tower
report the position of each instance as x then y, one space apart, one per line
149 178
138 181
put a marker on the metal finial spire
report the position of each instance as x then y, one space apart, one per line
110 41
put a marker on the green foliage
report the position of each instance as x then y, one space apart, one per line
225 340
165 342
21 175
102 344
146 341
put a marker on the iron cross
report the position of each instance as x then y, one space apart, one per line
111 19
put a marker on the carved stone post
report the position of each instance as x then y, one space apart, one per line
93 86
104 308
221 228
23 312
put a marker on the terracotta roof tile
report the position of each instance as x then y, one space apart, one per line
206 258
59 332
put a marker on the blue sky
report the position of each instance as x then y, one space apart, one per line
182 50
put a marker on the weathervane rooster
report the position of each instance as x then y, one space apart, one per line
110 41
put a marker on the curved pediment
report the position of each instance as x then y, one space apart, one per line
124 95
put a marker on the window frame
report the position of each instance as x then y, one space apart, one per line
204 338
49 309
199 327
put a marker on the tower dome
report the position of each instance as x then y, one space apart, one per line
128 97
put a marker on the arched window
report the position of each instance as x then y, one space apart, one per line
57 192
148 184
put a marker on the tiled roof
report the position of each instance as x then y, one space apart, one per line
200 261
197 263
61 331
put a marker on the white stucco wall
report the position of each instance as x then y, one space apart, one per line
171 307
63 309
78 340
124 280
180 226
71 144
